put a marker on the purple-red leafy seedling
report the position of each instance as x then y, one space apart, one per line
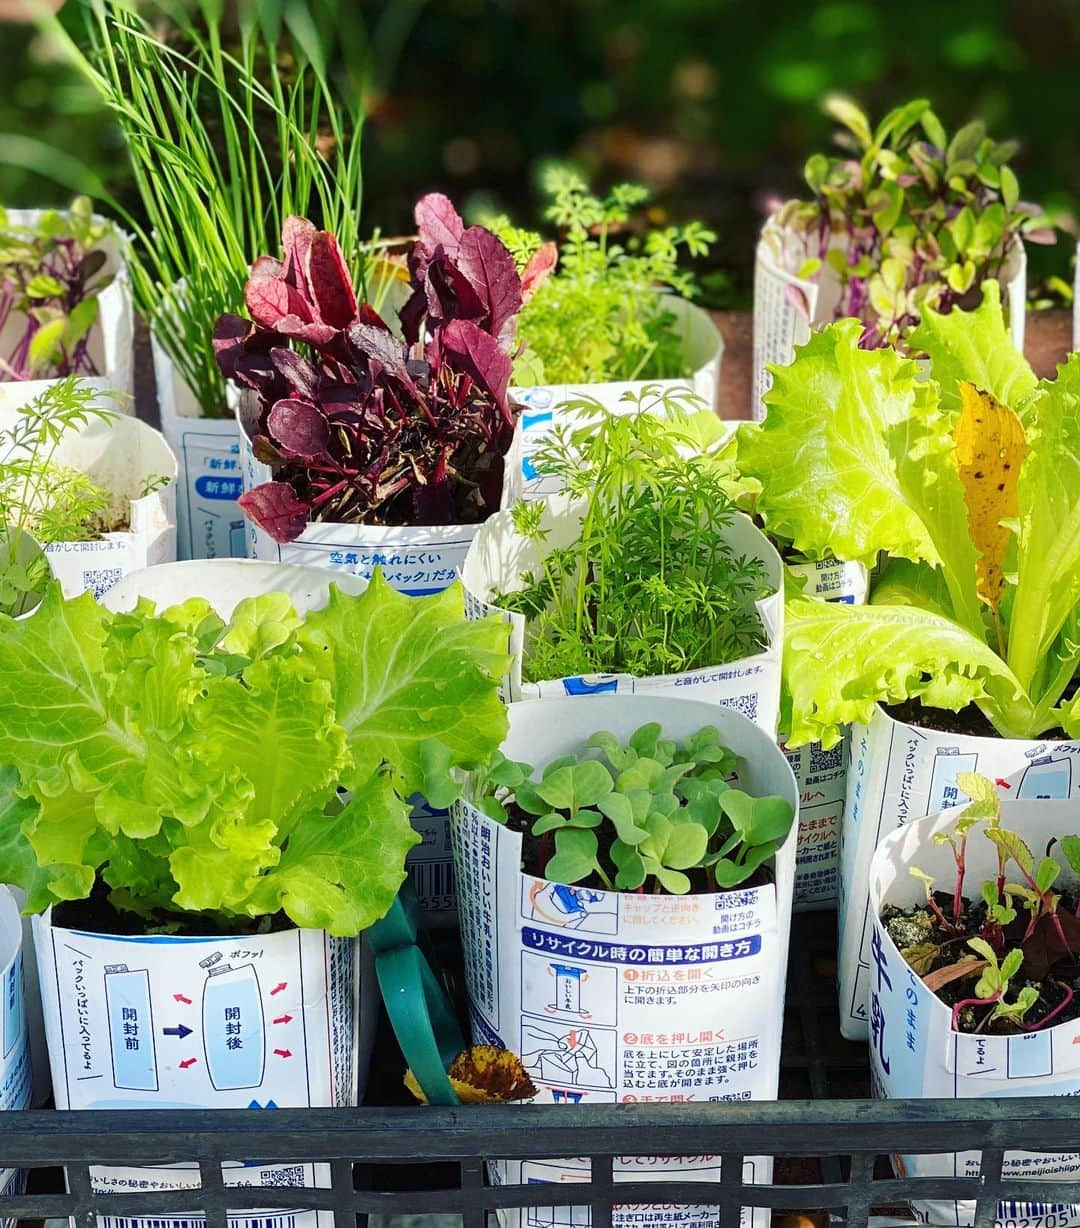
361 426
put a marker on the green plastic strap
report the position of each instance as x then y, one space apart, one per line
420 1013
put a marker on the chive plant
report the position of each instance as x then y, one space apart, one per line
230 130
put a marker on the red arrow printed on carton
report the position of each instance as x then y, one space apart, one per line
283 1019
283 1052
279 987
179 997
188 1061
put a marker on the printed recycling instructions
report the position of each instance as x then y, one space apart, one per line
914 1051
15 1060
703 348
262 1022
111 337
779 326
500 557
621 998
135 465
415 559
822 774
903 772
209 523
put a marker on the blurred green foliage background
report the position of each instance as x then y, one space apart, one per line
714 103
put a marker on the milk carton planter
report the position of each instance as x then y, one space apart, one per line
787 308
500 556
416 559
111 335
822 774
22 551
915 1052
134 464
170 1022
607 995
209 523
542 405
902 772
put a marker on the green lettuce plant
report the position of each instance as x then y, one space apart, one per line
905 217
237 770
966 481
592 313
639 816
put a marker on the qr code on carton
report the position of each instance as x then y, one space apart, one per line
291 1175
826 760
98 580
746 704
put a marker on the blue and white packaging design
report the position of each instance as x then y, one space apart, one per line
209 523
780 325
916 1054
542 405
111 337
15 1064
136 466
415 559
159 1022
500 557
822 774
903 772
622 998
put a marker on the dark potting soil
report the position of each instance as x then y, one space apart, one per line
929 947
98 915
969 720
537 851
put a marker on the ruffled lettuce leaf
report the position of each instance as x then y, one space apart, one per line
1048 540
977 600
975 346
856 459
197 766
840 661
405 671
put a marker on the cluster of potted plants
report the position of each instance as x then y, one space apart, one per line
518 601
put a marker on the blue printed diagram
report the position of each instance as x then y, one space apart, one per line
572 908
570 1060
234 1027
232 1022
14 1029
568 991
131 1028
553 1217
1045 777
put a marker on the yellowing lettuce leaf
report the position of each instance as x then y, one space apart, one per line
990 448
857 457
975 346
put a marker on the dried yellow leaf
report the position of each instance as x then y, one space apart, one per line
990 449
484 1074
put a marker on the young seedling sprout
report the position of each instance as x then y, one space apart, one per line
1045 940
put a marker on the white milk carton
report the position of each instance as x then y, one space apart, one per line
914 1051
621 998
